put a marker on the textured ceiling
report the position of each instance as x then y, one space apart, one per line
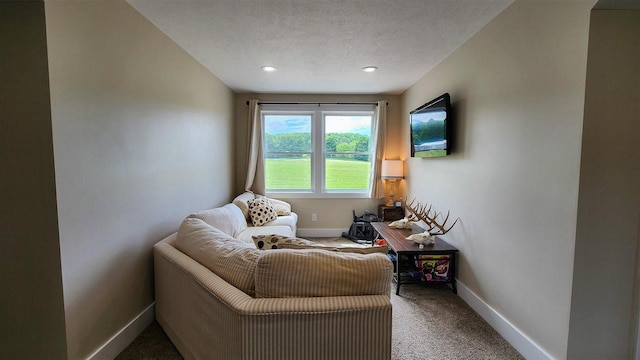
320 46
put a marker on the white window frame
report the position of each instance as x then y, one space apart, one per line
318 150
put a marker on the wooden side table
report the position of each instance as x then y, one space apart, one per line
433 263
390 213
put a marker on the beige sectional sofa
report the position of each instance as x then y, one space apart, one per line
218 297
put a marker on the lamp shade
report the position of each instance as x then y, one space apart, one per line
392 169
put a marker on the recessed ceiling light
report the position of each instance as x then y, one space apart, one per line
268 68
370 69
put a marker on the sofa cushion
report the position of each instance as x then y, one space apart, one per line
283 208
246 235
346 249
313 273
273 241
261 211
242 201
228 219
231 259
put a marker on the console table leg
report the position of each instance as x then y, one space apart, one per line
397 275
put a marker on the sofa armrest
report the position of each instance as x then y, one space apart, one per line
287 220
351 328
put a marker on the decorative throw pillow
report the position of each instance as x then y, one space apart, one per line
273 241
283 208
261 211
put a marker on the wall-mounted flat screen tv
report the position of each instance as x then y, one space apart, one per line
431 128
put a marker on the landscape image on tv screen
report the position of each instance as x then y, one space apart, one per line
429 133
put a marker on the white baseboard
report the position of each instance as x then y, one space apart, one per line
521 342
312 232
125 336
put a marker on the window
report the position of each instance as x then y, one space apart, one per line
317 152
288 151
347 155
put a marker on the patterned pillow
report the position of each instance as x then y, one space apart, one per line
273 241
261 211
346 249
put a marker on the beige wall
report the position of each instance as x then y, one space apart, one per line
334 215
31 303
603 301
517 89
142 135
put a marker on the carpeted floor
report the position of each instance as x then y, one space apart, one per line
152 344
434 323
428 323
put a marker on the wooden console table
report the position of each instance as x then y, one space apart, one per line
409 258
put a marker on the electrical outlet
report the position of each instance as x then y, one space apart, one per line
314 217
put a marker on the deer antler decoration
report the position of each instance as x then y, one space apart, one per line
430 217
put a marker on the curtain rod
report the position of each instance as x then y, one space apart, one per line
315 102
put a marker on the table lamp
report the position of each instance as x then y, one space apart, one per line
392 170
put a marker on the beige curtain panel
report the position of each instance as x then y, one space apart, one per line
255 158
378 130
